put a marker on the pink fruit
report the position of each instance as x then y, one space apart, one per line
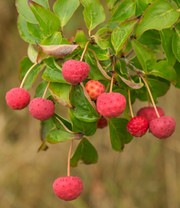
94 89
41 108
68 187
75 71
138 126
17 98
150 113
162 127
111 104
101 123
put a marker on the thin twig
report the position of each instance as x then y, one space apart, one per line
69 159
84 51
45 91
130 106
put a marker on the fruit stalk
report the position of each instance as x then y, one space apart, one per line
130 106
84 51
45 91
69 159
150 95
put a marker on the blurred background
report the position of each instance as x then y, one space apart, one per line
145 175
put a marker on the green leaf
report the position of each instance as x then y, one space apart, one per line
82 109
48 21
141 5
54 39
121 34
87 128
144 55
52 73
65 10
177 69
176 44
164 70
40 89
166 39
80 38
58 135
25 65
26 31
151 38
93 13
118 133
159 15
102 38
60 92
111 3
85 152
125 10
46 126
64 121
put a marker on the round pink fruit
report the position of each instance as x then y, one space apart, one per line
138 126
68 187
17 98
150 113
75 71
94 88
41 108
162 127
111 104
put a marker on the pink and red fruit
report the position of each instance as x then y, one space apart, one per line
75 71
94 88
68 187
111 104
138 126
17 98
150 113
101 123
162 127
41 108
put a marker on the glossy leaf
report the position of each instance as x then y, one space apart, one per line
125 10
48 21
145 56
121 34
65 10
87 128
119 135
24 10
60 92
58 135
93 13
82 109
164 70
84 152
176 44
25 64
166 39
159 15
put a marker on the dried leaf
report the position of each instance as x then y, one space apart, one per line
132 84
58 51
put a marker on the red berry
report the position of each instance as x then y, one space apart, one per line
94 88
17 98
41 108
150 113
68 187
101 123
138 126
75 71
111 104
162 127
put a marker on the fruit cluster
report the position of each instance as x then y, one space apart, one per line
107 104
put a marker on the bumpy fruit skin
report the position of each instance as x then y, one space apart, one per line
94 88
138 126
150 113
111 104
17 98
101 123
41 108
75 71
68 187
162 127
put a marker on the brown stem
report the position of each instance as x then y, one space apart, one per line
150 95
130 105
27 73
84 51
69 159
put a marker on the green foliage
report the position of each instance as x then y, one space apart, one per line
133 39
